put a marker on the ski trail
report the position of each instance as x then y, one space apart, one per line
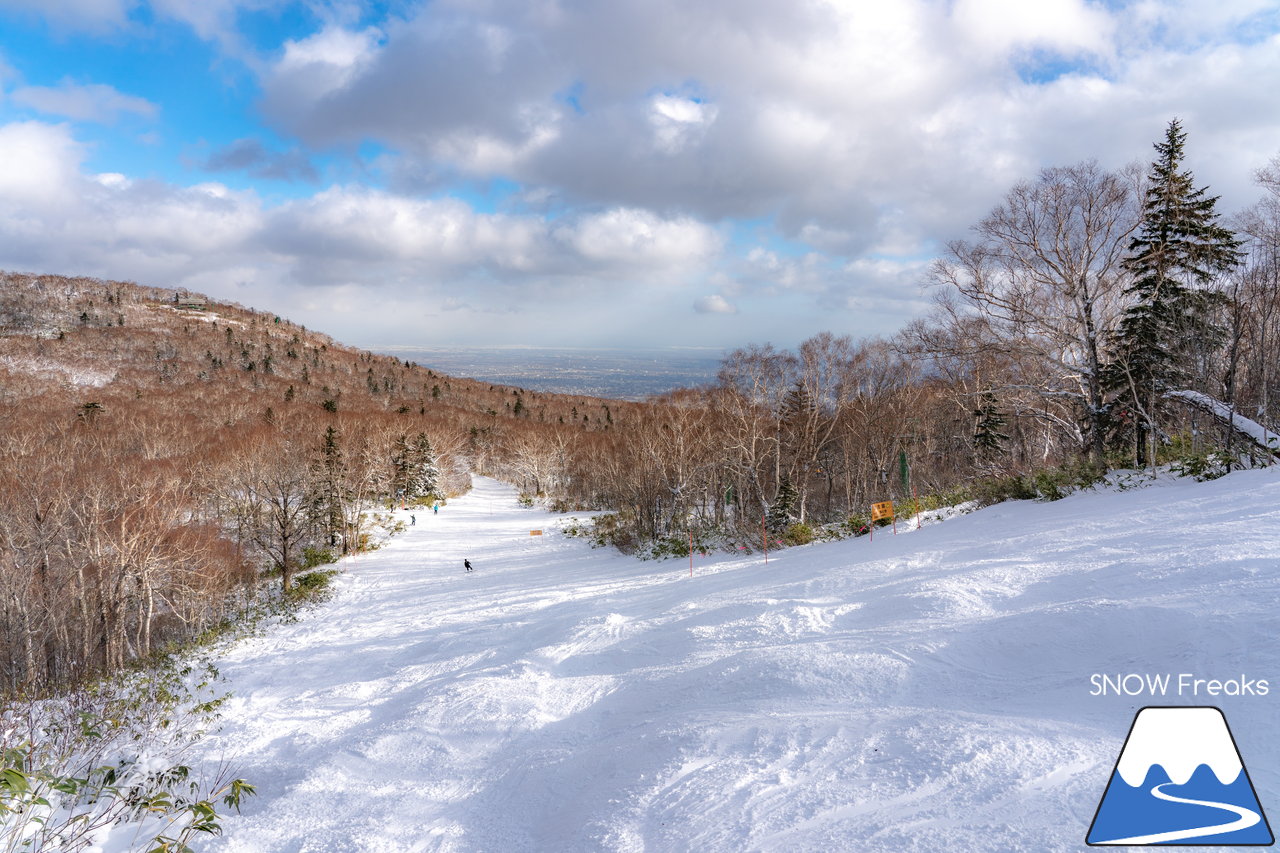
927 692
1246 819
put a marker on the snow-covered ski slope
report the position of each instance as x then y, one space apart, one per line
928 692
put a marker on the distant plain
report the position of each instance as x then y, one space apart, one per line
622 374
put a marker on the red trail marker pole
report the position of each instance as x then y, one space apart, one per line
690 552
764 537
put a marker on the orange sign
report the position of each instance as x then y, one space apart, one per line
535 532
884 509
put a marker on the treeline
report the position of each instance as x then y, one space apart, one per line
1061 334
157 459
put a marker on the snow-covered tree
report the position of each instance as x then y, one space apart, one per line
424 474
415 472
783 511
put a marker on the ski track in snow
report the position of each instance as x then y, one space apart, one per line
924 692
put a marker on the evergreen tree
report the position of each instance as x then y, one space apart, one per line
783 511
988 437
425 474
1178 250
330 494
414 469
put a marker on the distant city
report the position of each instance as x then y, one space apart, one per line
615 373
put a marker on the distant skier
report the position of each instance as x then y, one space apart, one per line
413 519
435 508
467 563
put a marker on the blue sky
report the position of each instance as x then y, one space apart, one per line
573 173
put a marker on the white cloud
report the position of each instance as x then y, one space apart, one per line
214 20
831 116
714 304
627 237
55 217
39 164
89 15
678 122
1070 26
94 102
313 67
364 226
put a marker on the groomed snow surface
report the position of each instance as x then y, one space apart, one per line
924 692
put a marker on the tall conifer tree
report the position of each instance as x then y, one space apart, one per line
330 494
1176 254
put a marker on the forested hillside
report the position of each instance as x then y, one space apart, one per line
159 451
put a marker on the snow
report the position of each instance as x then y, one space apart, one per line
1179 740
930 691
1260 434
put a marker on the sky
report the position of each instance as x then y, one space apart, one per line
576 173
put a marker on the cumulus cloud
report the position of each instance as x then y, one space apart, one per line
714 304
831 117
39 165
1068 26
313 67
643 139
638 238
55 216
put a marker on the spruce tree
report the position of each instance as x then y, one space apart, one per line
1178 250
415 473
330 494
988 436
425 474
783 511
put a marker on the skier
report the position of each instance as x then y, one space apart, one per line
413 519
467 563
435 508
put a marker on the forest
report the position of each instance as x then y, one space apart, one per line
162 455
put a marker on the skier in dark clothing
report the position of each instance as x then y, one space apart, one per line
467 563
413 519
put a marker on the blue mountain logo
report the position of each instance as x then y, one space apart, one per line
1180 781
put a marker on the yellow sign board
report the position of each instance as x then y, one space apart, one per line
535 532
884 509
